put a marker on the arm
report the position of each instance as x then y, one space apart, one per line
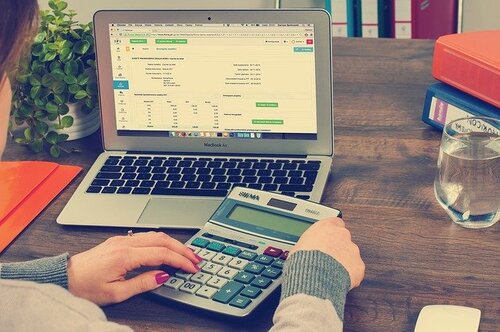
52 270
322 267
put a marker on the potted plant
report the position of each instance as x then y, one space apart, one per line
55 85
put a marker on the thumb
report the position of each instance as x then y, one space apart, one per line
144 282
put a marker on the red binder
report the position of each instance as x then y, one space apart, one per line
26 188
423 19
470 62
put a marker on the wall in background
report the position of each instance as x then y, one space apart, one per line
480 15
86 8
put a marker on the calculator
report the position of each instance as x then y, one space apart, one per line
244 246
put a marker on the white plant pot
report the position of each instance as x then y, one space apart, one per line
83 124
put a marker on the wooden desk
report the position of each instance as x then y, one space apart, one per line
382 180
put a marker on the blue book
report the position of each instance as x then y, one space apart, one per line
444 103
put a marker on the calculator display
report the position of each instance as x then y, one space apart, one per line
268 220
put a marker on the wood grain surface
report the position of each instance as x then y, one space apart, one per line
382 180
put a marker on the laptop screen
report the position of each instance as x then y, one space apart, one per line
252 81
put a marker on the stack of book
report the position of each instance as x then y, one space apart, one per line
468 66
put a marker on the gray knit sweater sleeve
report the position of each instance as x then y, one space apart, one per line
52 270
313 293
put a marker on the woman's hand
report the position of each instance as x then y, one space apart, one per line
99 274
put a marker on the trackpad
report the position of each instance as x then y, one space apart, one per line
178 213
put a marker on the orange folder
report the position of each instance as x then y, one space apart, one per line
26 188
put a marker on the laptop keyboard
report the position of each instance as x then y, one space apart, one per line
210 177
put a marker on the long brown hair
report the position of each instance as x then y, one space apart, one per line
18 23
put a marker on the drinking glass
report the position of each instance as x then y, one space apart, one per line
467 183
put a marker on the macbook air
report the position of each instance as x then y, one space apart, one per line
194 103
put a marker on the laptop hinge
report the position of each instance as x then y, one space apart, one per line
219 154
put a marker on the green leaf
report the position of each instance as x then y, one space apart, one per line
67 121
55 65
52 46
49 56
23 78
81 47
83 79
74 34
71 68
66 54
62 6
37 145
40 37
38 102
92 88
51 107
59 99
55 151
35 92
48 80
35 80
24 111
62 137
70 79
59 87
58 73
27 134
81 94
20 140
41 128
53 5
63 109
38 50
74 88
40 115
52 137
52 116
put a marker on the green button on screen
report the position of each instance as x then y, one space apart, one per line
267 121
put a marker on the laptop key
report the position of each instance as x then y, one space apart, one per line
208 185
143 176
117 183
94 189
259 165
251 172
229 164
159 170
144 169
296 180
200 164
305 197
257 186
100 182
124 190
128 176
290 166
223 186
108 190
218 171
108 175
126 162
296 187
147 184
309 166
188 177
214 164
190 192
234 179
159 177
174 170
129 169
244 165
162 184
270 187
193 185
141 191
204 178
113 169
188 170
265 179
177 184
295 174
112 161
280 180
233 172
155 163
279 173
264 172
169 163
140 162
132 183
288 193
174 177
184 163
219 178
203 171
249 179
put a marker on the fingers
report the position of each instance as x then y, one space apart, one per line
159 239
154 256
123 290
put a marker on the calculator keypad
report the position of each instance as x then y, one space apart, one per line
228 274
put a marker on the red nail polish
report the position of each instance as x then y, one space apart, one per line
161 278
198 257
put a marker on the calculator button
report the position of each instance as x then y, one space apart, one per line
244 277
233 251
248 255
273 252
189 287
240 302
261 282
238 263
222 259
255 268
226 293
216 246
201 278
183 275
211 268
271 272
206 292
278 263
284 255
206 254
174 283
217 282
227 273
199 242
251 292
263 259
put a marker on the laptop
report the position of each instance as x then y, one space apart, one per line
196 102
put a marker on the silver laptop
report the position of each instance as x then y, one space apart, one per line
194 103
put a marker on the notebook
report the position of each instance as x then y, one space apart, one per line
194 103
26 188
